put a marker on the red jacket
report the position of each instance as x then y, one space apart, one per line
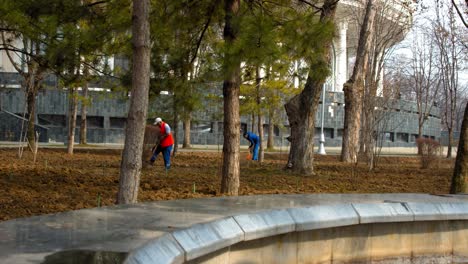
167 141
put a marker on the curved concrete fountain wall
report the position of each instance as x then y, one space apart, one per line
391 232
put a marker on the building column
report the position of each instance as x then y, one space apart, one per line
341 57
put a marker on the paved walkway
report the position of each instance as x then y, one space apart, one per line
123 228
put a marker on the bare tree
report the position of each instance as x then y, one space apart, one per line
423 77
391 23
354 89
460 14
32 72
450 52
130 166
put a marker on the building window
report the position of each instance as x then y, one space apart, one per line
339 133
52 120
329 132
389 137
244 127
402 137
203 127
95 121
117 122
275 130
317 132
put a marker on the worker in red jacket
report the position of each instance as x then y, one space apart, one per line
166 141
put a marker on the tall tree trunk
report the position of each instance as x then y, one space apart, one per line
460 172
258 81
370 126
175 128
301 111
252 120
33 83
260 139
31 109
366 126
420 135
450 142
187 124
231 91
271 131
354 90
362 134
373 79
31 92
72 112
301 108
369 122
84 108
130 166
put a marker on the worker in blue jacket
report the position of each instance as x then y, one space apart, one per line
254 144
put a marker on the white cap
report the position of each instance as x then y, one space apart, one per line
157 121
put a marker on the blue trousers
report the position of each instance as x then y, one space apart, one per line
255 151
166 155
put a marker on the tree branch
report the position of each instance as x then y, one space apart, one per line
459 13
207 24
17 68
97 3
311 5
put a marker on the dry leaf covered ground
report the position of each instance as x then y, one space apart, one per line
59 182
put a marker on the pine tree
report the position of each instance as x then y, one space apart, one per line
55 35
130 166
181 29
315 35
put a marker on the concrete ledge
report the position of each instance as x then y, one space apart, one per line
438 211
455 211
164 249
324 216
208 238
426 211
255 226
265 224
383 213
202 239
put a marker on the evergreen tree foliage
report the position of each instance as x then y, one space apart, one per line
180 30
58 37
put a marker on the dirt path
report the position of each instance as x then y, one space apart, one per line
59 182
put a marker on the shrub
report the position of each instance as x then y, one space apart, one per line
429 149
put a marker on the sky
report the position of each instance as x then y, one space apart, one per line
423 17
